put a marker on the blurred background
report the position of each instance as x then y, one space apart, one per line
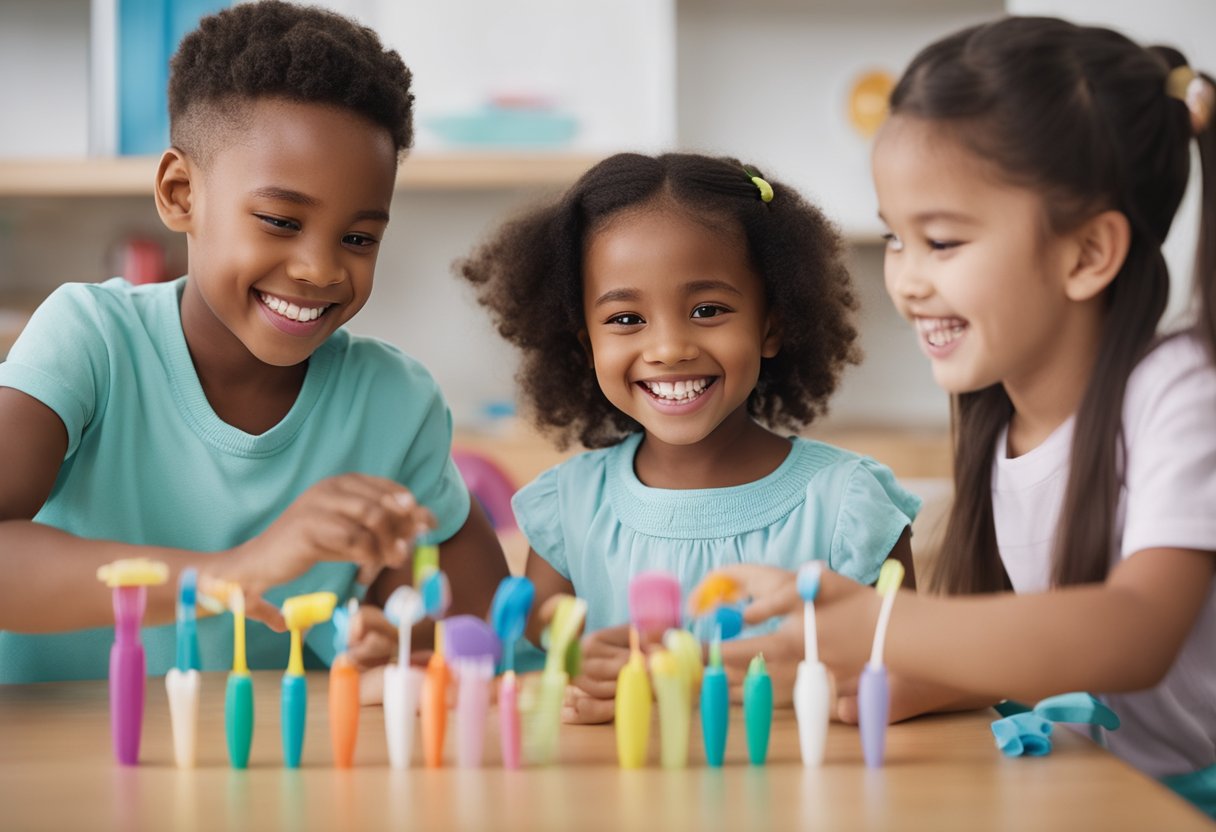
515 99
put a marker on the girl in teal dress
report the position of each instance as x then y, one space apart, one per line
680 315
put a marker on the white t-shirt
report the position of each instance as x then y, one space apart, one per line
1167 499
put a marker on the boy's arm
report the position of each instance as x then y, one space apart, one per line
51 576
474 563
51 581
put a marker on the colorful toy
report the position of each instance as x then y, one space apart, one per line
130 579
813 685
182 680
473 650
402 682
715 705
633 707
543 701
508 616
238 696
873 703
757 710
300 613
343 690
436 597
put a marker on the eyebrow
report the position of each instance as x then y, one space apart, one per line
930 216
298 198
690 288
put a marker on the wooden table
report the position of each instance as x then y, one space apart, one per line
57 772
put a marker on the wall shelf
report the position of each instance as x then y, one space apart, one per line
132 176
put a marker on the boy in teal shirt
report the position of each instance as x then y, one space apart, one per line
225 420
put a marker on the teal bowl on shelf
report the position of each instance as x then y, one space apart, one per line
505 127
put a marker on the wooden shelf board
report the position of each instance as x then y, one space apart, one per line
133 175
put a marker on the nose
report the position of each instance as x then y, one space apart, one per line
670 344
905 277
316 262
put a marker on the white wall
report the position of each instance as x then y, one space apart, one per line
1190 26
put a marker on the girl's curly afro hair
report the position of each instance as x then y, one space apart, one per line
529 274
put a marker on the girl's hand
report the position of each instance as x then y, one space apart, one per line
369 520
605 652
581 708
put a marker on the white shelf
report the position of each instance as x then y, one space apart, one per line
133 176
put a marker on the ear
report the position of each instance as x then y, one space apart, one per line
1101 247
585 339
771 345
174 190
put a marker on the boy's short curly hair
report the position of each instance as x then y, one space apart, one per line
529 274
273 49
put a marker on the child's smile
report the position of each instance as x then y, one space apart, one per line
678 394
294 316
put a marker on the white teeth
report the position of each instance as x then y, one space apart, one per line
940 331
291 310
677 391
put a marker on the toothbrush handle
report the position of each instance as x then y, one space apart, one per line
873 712
508 720
182 688
715 713
675 720
758 716
434 711
127 671
238 718
812 706
295 709
343 710
472 704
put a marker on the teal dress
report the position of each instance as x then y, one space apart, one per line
597 525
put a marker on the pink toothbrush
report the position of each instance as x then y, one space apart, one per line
130 580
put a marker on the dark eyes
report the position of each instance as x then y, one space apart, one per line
285 226
708 310
278 223
895 244
626 319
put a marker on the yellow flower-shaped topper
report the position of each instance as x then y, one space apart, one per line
133 572
714 591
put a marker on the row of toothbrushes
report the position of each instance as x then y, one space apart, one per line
472 647
674 671
655 605
475 648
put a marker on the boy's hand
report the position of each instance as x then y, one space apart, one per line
373 638
369 520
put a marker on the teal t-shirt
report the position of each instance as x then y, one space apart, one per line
597 525
149 462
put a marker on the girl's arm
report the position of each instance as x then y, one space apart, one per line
547 582
1121 635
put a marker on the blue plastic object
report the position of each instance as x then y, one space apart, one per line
729 621
1077 707
295 711
1024 734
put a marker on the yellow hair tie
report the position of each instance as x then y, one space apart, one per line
766 190
1193 90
